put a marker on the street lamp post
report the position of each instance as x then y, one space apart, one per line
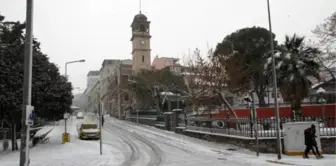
321 91
66 76
274 84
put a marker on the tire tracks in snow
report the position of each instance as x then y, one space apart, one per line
220 156
236 160
130 159
133 156
129 125
155 158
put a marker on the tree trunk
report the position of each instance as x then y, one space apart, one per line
296 106
261 97
268 96
226 103
14 141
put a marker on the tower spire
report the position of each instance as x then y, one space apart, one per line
140 6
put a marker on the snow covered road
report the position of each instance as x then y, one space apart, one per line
164 148
145 147
128 144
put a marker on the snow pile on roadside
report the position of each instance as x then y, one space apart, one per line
44 130
77 152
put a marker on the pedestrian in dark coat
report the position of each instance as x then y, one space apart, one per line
309 141
314 145
102 121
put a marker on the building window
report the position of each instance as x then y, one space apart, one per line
143 58
142 28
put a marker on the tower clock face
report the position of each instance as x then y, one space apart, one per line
142 42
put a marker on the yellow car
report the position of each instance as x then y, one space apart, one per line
89 131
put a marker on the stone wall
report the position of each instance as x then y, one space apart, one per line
143 120
328 145
266 145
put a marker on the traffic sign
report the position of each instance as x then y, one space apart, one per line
29 115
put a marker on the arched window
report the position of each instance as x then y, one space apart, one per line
143 58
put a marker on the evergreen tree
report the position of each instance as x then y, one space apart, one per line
51 92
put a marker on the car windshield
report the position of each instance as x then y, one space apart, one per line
89 126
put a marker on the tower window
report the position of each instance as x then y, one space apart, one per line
143 58
142 28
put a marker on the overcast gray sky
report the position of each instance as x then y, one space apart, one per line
100 29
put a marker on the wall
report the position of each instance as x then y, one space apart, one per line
328 145
265 145
143 120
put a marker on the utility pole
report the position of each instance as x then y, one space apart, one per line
275 91
27 85
66 76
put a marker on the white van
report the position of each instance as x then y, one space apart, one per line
80 115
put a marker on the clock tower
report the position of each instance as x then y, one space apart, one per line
140 43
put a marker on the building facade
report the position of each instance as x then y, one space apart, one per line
93 98
119 96
107 70
92 77
167 62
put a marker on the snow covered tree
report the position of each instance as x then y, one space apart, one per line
326 33
243 55
295 63
148 84
193 80
206 82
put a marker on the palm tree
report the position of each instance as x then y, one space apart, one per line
295 64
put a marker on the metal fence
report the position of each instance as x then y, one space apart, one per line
266 126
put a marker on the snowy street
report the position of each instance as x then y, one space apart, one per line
126 144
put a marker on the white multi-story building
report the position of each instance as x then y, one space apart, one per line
92 78
107 70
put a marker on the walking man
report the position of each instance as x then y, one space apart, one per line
310 142
102 121
314 145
